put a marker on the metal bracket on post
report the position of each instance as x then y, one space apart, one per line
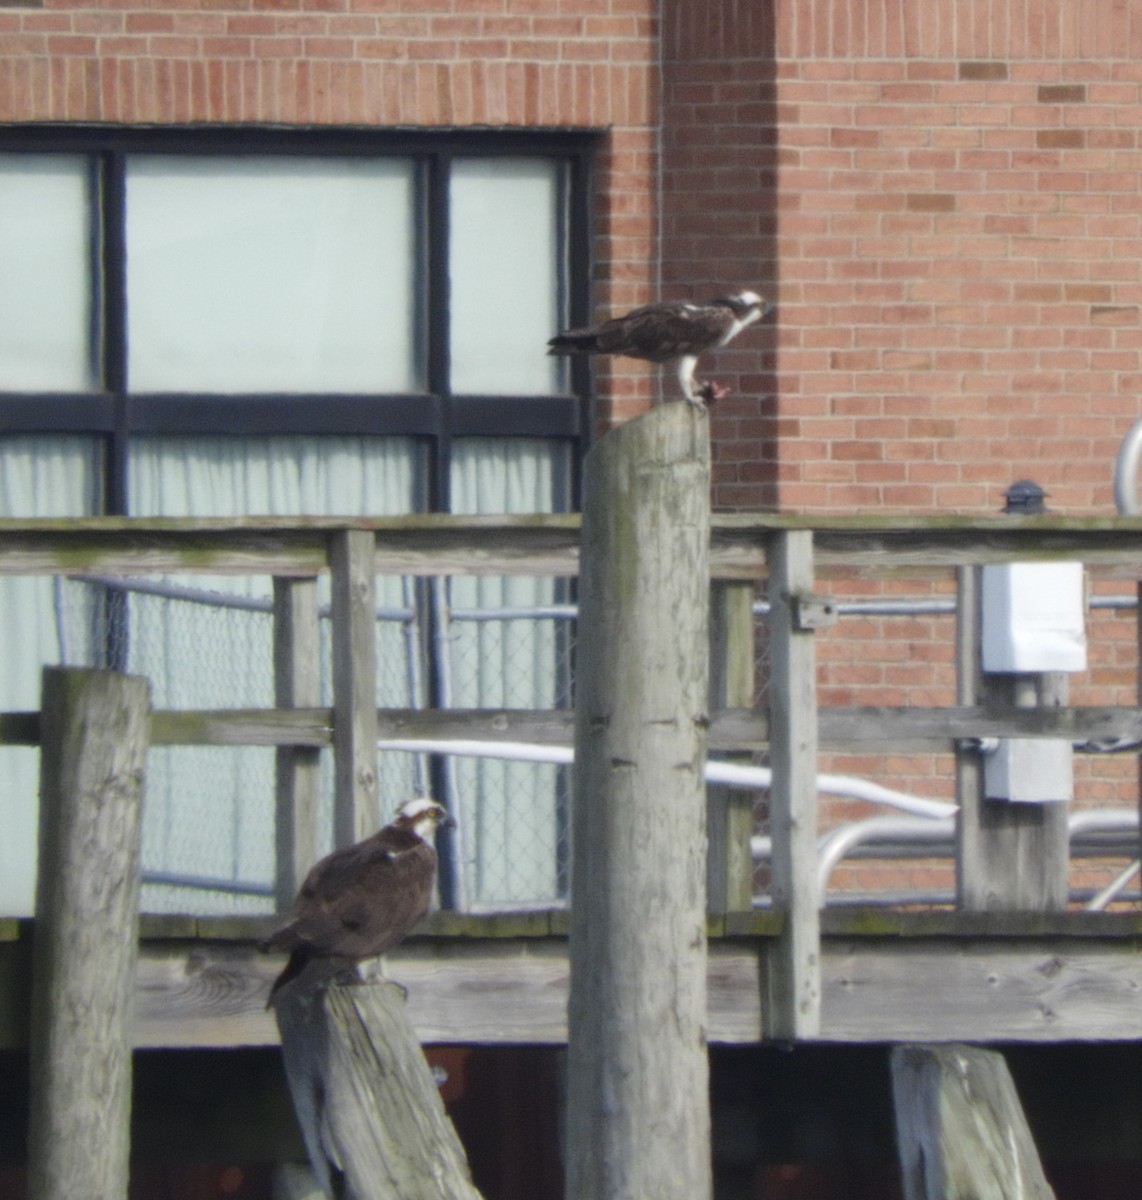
811 613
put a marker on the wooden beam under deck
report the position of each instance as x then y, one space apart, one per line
886 977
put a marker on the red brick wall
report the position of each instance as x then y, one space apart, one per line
945 197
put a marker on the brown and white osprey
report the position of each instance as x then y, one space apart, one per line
675 331
360 901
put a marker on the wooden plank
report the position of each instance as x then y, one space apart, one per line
993 991
960 1129
297 684
637 1071
729 875
795 972
351 560
83 965
978 985
428 544
545 544
737 729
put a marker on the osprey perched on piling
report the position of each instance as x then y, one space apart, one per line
360 901
675 331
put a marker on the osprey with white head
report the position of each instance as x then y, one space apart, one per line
361 900
673 332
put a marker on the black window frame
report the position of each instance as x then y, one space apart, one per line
433 417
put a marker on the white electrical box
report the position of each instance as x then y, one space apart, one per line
1029 771
1033 617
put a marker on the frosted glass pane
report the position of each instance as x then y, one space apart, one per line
506 247
39 623
45 274
271 275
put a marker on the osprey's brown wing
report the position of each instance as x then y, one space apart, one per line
656 332
360 901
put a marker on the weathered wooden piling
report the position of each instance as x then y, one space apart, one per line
960 1129
368 1106
638 1108
94 731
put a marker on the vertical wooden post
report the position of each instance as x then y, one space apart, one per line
730 819
638 1107
794 1009
1009 857
94 732
352 562
297 684
960 1129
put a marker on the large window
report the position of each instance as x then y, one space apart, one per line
239 322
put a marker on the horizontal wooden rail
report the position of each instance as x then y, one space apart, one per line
546 544
736 729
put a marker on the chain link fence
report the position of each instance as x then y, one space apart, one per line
208 829
476 642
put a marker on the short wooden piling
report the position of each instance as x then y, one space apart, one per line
960 1129
638 1107
369 1109
94 733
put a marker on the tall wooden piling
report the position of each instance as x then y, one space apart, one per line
94 733
638 1108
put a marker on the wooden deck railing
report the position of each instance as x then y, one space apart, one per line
792 557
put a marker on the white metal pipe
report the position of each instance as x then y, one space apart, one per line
1099 901
730 774
840 842
1126 472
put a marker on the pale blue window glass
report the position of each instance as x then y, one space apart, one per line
272 275
46 330
506 266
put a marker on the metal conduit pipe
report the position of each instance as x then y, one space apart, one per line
1126 472
838 843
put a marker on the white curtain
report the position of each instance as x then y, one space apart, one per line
512 823
209 810
39 477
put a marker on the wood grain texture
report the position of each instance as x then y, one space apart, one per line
960 1129
297 684
638 1111
368 1106
794 1008
355 811
981 985
730 819
94 726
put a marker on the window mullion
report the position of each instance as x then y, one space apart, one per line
437 322
112 300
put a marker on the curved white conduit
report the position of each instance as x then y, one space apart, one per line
1126 472
730 774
